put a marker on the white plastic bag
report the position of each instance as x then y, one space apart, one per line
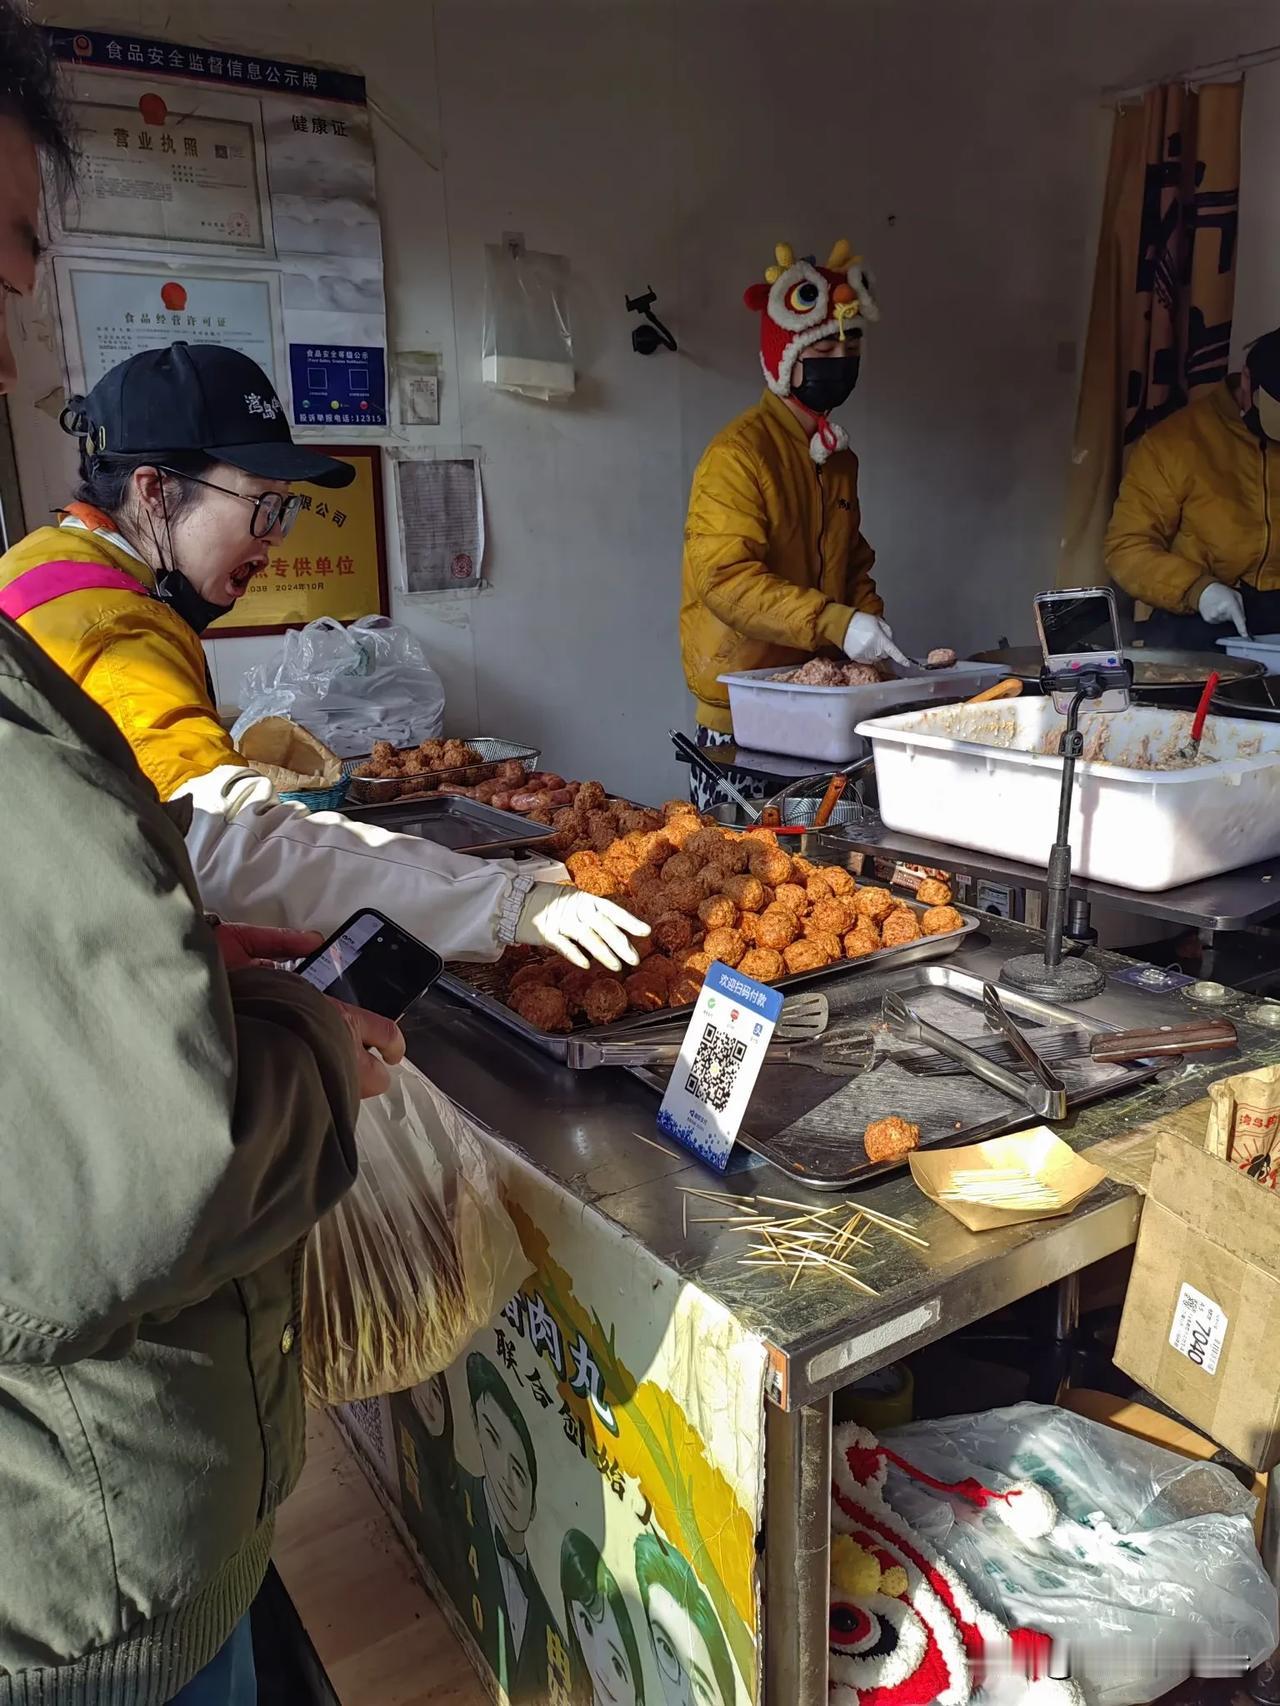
1151 1573
350 686
526 342
417 1257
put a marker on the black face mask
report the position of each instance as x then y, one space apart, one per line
175 590
828 381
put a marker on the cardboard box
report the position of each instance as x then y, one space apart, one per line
1201 1320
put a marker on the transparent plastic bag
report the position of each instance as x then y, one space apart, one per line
349 685
1151 1573
527 345
416 1258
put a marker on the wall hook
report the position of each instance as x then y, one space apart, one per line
646 339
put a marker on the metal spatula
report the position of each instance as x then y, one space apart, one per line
1067 1043
845 1059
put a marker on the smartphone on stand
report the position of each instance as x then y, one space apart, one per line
1079 629
371 962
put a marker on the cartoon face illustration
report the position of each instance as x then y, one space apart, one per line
509 1475
684 1658
430 1401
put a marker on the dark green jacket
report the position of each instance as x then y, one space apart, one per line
167 1136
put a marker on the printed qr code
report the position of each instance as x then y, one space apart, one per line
715 1068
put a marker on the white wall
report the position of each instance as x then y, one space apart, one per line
1258 259
672 144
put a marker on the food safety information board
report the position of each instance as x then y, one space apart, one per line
224 198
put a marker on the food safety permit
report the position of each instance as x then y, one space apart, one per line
720 1060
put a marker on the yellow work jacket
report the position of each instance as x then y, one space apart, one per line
775 564
1199 502
132 654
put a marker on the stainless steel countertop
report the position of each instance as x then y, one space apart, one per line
584 1130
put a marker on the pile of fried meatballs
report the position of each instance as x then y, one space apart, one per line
708 895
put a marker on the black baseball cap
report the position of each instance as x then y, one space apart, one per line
199 397
1263 362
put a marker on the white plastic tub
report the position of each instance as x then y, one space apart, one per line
988 776
1262 648
821 722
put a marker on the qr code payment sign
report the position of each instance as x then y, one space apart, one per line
720 1058
715 1067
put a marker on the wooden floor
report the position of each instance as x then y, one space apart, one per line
378 1633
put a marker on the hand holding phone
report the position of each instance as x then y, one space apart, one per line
370 1032
372 963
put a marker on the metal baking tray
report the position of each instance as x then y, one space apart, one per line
461 825
380 790
479 986
814 1134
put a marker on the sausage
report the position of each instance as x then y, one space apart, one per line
546 779
501 801
560 797
487 790
526 801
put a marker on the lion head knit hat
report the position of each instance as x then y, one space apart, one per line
904 1628
801 303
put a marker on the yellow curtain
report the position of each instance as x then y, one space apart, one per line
1163 290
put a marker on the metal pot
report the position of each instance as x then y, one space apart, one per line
1160 677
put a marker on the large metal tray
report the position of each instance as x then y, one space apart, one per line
455 822
822 1146
381 790
478 986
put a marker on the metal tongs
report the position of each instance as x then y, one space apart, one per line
1045 1094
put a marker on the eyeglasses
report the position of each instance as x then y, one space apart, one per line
270 509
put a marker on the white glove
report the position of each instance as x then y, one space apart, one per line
568 920
1220 603
867 639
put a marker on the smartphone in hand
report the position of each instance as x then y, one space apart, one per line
372 962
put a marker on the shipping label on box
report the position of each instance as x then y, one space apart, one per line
1201 1321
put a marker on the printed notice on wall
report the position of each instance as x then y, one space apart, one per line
441 523
1199 1329
200 161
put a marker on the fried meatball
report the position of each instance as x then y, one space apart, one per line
745 891
941 657
829 916
673 934
807 956
763 964
697 961
705 844
818 887
540 972
718 912
580 863
792 896
599 880
686 986
764 836
864 938
651 847
749 925
542 1007
681 829
875 904
678 808
734 855
603 835
778 929
933 893
684 897
680 868
605 1001
900 927
941 920
574 986
890 1139
839 881
771 865
622 861
647 987
727 946
382 752
591 797
709 881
